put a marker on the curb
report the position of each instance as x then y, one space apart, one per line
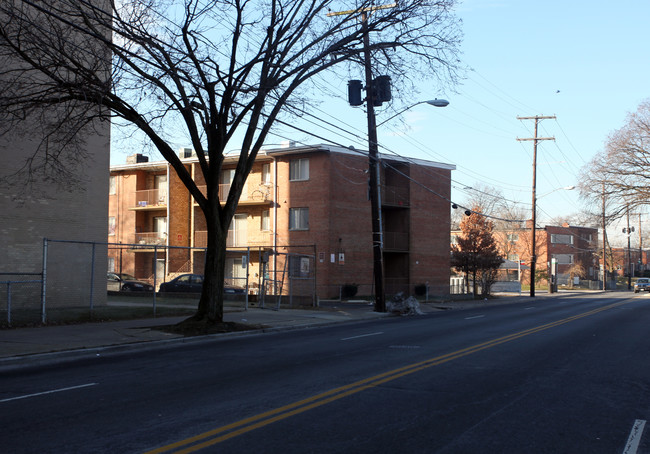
15 363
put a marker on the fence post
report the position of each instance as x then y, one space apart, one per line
155 274
92 279
9 303
44 281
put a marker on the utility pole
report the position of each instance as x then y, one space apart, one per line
535 139
604 245
640 247
374 173
629 258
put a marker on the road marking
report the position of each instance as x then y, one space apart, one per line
363 335
26 396
476 316
528 308
221 434
634 439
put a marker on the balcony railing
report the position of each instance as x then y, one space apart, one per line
260 194
150 198
259 239
395 196
150 238
396 241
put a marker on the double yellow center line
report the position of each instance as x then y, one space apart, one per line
220 434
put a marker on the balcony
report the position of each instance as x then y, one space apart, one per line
146 240
255 240
396 241
150 199
397 196
261 195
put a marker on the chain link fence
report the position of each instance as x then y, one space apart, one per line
148 279
20 297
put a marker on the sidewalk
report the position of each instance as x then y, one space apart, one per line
49 344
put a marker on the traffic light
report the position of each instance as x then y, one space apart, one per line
354 92
381 84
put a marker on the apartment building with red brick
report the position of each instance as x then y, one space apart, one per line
303 222
568 245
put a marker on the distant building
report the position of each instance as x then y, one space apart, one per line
303 220
572 247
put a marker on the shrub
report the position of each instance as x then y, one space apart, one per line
349 290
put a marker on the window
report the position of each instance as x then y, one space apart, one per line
563 259
111 225
266 173
513 257
561 239
111 264
266 221
299 169
298 218
112 185
513 237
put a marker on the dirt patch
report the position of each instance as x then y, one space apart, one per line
189 328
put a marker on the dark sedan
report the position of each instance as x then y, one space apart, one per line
193 283
123 282
188 283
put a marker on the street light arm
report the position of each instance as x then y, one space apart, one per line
432 102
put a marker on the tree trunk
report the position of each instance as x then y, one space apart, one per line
210 308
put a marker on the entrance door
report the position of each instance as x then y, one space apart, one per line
237 233
160 183
160 228
235 272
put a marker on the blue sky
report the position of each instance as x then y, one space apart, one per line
586 62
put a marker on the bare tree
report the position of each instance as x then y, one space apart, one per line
620 172
219 70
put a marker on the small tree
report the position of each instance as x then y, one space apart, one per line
476 251
576 270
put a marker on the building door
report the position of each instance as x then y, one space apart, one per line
235 272
160 228
160 184
237 234
159 269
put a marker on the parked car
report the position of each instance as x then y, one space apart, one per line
123 282
193 283
642 284
188 283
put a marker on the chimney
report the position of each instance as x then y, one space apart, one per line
136 158
287 144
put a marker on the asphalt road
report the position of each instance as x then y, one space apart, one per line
553 375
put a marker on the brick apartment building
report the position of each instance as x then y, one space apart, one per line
303 221
638 261
568 245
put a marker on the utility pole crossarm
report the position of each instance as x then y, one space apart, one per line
361 10
535 138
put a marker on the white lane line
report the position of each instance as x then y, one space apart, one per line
363 335
634 439
529 308
476 316
26 396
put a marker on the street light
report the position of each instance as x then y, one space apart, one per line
533 260
432 102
